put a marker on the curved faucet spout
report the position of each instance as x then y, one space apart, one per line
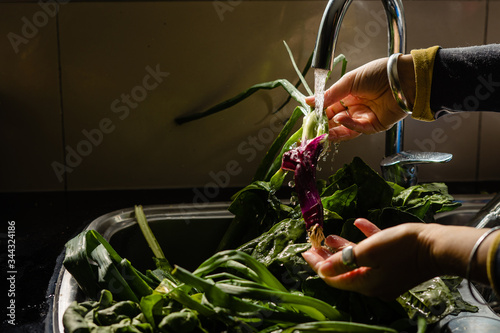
329 29
328 33
324 55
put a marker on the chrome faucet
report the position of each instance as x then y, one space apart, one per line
398 166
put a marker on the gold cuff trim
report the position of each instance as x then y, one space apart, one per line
423 60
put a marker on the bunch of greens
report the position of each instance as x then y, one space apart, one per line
231 291
258 281
264 285
353 191
297 152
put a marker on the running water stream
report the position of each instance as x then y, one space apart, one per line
320 76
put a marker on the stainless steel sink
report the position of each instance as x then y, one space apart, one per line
467 213
189 234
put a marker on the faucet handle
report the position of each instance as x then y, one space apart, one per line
401 168
416 157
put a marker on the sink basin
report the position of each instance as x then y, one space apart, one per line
466 214
198 229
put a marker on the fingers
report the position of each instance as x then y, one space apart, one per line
341 133
336 242
331 268
366 227
335 108
339 90
333 271
359 119
316 256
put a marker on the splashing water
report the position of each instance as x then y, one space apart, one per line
320 76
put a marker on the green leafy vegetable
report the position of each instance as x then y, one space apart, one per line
434 299
331 326
95 265
106 316
148 234
264 285
285 84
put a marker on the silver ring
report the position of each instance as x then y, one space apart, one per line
348 257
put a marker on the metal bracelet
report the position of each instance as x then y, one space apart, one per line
471 259
395 84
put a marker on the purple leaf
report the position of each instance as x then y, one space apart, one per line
302 161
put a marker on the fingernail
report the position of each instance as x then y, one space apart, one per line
325 269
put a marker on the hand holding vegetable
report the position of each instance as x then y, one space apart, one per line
361 101
396 259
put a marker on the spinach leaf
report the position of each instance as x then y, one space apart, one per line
425 200
256 209
434 299
105 315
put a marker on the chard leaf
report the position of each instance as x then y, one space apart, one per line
373 191
337 326
432 300
270 244
256 208
95 265
272 160
302 161
342 202
115 313
259 273
149 236
337 60
331 215
299 74
312 307
285 84
289 144
184 321
151 307
214 295
179 294
425 200
391 216
104 316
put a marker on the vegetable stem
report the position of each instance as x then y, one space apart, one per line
148 234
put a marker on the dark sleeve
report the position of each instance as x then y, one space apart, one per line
466 79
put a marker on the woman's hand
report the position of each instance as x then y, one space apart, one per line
389 261
396 259
361 102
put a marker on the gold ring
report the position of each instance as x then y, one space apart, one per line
345 107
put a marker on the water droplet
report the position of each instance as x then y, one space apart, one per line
291 183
